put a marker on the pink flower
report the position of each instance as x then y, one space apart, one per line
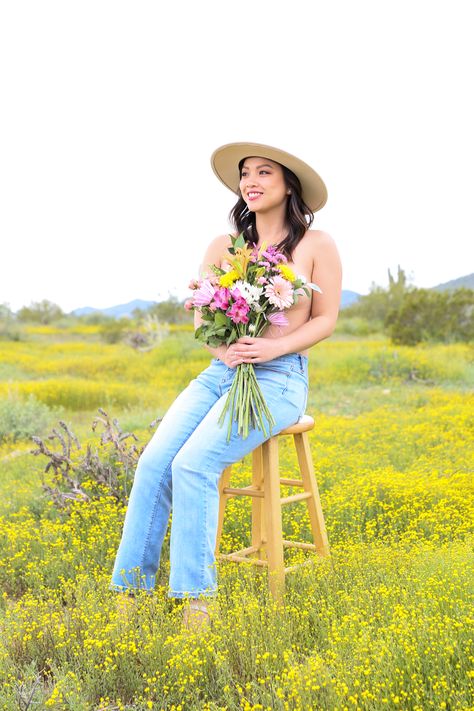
193 284
238 311
204 295
279 292
188 304
221 298
278 318
261 280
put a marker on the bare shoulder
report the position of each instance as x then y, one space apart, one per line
319 238
220 242
215 252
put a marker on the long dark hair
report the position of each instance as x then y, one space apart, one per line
298 218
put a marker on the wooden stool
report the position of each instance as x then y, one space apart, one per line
267 537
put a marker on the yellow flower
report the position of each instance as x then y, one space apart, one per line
286 272
229 278
242 258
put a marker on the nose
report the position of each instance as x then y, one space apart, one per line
249 180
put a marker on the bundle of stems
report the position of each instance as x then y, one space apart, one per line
246 404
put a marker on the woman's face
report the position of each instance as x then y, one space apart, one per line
262 184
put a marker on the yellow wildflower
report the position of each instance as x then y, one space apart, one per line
228 278
286 272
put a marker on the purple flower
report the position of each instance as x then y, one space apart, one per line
278 318
204 295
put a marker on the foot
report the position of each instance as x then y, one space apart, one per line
125 606
196 615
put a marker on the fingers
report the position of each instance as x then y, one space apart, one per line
238 354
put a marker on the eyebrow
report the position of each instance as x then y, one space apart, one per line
264 165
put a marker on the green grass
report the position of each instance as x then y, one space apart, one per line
385 623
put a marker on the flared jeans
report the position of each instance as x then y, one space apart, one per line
179 471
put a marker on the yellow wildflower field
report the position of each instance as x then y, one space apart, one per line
384 623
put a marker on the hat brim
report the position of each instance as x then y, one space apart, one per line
225 164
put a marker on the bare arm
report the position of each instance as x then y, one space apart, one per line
327 274
212 255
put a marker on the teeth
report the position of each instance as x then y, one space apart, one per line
254 194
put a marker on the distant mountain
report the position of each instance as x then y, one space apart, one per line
126 310
465 281
348 297
119 311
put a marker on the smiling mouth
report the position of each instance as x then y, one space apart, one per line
253 195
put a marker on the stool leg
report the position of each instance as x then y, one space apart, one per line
316 517
223 483
258 518
272 504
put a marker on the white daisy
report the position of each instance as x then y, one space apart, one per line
250 293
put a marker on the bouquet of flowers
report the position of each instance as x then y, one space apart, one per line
243 301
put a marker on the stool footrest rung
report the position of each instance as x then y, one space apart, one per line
291 482
246 491
243 558
295 497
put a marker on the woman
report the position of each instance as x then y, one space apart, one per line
181 465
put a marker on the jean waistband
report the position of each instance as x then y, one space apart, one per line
300 362
296 360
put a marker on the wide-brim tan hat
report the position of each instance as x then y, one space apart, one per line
225 164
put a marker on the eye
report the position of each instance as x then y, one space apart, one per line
264 171
243 174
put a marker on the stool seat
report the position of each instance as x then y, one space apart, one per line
304 424
267 549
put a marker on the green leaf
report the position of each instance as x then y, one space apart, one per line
221 319
232 337
239 241
216 270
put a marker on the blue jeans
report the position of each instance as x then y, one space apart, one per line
180 468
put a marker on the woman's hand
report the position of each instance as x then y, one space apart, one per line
253 350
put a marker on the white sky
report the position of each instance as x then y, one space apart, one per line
110 111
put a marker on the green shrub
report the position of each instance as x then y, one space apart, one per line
357 325
19 418
438 316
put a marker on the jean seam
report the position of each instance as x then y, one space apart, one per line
287 382
153 515
206 517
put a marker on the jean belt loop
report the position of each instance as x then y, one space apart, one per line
301 363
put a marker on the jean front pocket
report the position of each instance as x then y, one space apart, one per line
274 376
